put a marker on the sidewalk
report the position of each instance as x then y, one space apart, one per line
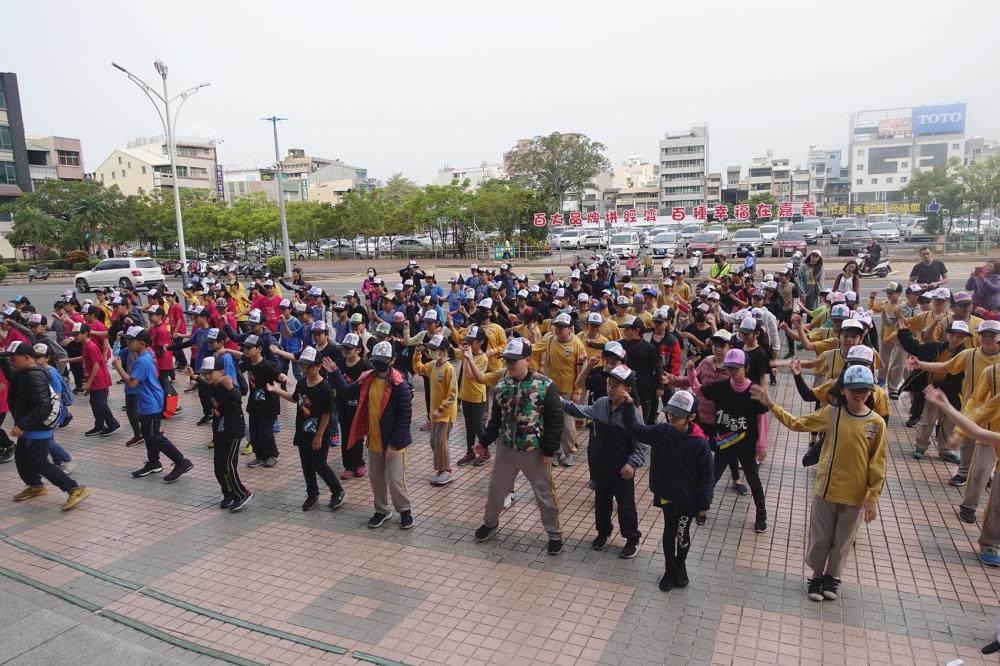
914 591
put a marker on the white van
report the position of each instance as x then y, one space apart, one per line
624 243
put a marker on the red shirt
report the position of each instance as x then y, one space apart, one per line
91 355
269 311
161 340
175 318
101 340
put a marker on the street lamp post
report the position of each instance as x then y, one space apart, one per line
168 126
281 195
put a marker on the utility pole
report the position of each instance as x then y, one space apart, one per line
281 195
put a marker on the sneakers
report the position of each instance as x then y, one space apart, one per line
347 474
242 504
247 449
967 515
957 480
630 550
67 466
774 380
67 420
893 395
815 590
377 520
991 648
405 519
110 431
7 455
760 524
591 484
256 462
467 459
310 502
76 496
919 454
426 426
831 587
740 489
482 460
147 469
361 472
271 462
913 422
441 478
179 470
667 582
681 575
31 491
701 520
508 500
950 456
226 502
554 547
134 440
484 533
567 460
93 431
990 556
337 501
203 420
210 445
600 542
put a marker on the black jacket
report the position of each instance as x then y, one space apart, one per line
928 351
29 398
680 469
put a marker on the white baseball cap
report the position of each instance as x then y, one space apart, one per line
594 318
861 353
562 320
681 404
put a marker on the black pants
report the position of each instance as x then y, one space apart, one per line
262 436
609 487
734 465
648 412
746 454
475 417
916 404
353 457
103 418
676 538
31 456
180 359
313 463
225 454
166 378
156 442
427 396
206 400
131 400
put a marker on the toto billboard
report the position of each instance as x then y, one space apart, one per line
944 119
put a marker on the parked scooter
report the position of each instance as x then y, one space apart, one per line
38 273
881 269
694 263
666 267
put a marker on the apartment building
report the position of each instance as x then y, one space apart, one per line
683 164
145 164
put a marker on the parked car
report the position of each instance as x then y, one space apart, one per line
138 272
768 232
666 244
706 243
788 243
720 231
341 249
853 241
886 232
746 240
840 225
916 233
570 238
594 238
827 224
811 230
624 243
689 231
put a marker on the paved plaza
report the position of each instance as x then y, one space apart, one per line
274 585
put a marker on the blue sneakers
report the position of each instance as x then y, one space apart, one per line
990 556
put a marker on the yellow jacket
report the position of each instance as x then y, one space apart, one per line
851 466
444 387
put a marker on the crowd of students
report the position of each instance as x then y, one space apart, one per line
528 363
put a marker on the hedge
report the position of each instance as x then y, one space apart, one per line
3 272
276 266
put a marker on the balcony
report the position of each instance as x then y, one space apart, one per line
42 172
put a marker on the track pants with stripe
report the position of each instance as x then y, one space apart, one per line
226 454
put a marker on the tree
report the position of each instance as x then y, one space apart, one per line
92 215
981 182
557 163
33 228
438 208
939 184
503 207
398 188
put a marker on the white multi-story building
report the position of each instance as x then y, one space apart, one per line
889 146
683 165
978 149
145 164
633 172
476 175
244 181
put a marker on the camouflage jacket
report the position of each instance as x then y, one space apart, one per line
526 415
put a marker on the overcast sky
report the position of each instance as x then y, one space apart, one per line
411 86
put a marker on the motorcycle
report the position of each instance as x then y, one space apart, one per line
666 267
881 269
38 273
694 263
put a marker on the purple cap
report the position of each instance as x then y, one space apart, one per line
735 358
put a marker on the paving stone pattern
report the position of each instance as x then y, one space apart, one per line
914 591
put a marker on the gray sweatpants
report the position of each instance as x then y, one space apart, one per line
832 527
990 536
388 477
982 462
506 465
925 429
569 428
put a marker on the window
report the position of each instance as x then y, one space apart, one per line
7 174
3 100
861 167
123 173
144 169
955 146
68 157
182 171
904 165
874 181
903 179
102 177
5 142
888 180
130 164
119 159
859 181
861 152
112 175
198 172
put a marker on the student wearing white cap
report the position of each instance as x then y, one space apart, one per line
893 355
563 356
849 478
443 393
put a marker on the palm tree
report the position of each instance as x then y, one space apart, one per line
33 228
93 213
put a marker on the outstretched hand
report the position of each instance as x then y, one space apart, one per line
760 394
